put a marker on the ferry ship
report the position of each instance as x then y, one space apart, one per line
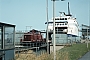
66 25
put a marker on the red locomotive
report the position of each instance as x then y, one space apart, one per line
33 36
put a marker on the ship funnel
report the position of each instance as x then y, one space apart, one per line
69 10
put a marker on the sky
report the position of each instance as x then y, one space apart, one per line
24 13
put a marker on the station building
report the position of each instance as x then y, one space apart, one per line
7 37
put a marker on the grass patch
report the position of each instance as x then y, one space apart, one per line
76 51
73 52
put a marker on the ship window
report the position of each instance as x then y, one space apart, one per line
65 23
62 24
57 19
65 18
61 18
57 24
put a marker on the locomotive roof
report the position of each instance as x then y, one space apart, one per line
34 30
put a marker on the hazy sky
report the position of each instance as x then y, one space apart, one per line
24 13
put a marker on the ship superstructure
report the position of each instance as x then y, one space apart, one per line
64 24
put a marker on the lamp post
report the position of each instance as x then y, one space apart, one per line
47 26
54 30
87 37
54 43
89 18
